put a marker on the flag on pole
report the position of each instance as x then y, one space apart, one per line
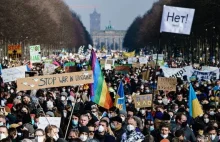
120 98
99 90
195 108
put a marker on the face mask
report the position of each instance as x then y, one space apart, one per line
100 129
39 139
130 128
68 90
9 88
56 137
164 136
206 120
109 115
160 101
147 91
63 90
197 85
123 119
212 137
12 91
129 100
63 98
142 111
212 113
83 137
138 93
2 136
151 128
205 85
184 124
112 126
74 122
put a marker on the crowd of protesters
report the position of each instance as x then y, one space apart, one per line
168 119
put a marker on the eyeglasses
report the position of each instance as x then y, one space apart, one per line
93 111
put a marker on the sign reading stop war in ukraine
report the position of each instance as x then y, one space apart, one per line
141 101
166 84
56 80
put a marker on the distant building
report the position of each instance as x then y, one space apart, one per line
108 38
95 21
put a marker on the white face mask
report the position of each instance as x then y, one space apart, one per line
206 120
63 90
142 111
83 137
123 119
63 98
2 136
160 101
129 100
212 137
101 129
164 136
39 139
56 137
130 127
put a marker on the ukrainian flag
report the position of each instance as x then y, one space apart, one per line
120 98
195 108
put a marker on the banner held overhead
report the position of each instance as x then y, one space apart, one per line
56 80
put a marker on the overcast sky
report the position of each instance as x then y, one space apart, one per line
121 13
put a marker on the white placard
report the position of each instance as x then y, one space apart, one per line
108 67
49 68
143 60
43 122
178 72
12 74
160 56
132 60
35 54
177 20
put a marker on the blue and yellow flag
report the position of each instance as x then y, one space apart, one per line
120 98
195 108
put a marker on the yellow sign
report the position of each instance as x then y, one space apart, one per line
14 49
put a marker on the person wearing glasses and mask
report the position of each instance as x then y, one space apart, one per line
39 135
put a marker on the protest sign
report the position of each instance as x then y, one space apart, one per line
177 20
143 60
212 69
108 67
35 55
132 60
178 72
146 75
206 75
141 101
56 80
122 69
49 68
136 65
166 84
102 61
44 122
12 74
110 61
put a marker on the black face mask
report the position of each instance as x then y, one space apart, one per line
184 124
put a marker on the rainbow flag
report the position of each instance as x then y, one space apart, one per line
195 108
99 90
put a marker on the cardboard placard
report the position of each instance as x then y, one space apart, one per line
141 101
136 65
166 84
102 61
56 80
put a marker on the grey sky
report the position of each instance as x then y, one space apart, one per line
121 13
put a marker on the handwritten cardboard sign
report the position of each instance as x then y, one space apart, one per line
56 80
166 84
12 74
141 101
